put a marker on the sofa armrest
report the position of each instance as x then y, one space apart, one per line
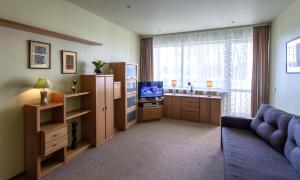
236 122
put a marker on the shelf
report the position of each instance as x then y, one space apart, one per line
76 113
48 106
152 107
49 165
131 78
130 109
33 29
72 153
129 124
132 94
51 126
69 95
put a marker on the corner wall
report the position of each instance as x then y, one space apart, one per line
16 79
284 88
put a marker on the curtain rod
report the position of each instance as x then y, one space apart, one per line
253 25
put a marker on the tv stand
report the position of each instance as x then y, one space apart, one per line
150 109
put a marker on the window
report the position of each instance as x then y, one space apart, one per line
223 56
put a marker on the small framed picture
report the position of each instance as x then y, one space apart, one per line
39 55
69 62
293 56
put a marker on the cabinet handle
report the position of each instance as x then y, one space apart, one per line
103 109
53 145
54 135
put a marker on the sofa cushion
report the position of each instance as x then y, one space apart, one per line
247 157
271 125
292 146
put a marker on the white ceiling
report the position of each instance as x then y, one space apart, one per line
151 17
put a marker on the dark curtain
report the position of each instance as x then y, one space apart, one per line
261 63
146 65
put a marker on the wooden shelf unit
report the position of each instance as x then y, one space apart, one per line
36 164
46 146
82 113
126 106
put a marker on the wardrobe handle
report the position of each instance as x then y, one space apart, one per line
103 109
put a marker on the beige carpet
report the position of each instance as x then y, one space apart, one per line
163 150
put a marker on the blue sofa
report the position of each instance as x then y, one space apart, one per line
266 147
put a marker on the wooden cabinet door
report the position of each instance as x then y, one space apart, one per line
175 107
109 100
215 111
167 107
100 110
204 110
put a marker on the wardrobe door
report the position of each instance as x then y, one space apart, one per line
100 110
109 100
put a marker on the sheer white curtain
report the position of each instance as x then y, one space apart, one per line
223 56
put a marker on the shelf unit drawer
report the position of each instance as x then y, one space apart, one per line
52 135
55 145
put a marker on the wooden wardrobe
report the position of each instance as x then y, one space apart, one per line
101 103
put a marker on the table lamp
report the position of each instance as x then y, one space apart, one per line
43 83
174 84
209 84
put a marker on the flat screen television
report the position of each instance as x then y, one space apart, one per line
150 90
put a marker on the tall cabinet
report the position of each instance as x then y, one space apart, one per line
126 106
101 103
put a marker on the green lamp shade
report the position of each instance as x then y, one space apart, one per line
42 83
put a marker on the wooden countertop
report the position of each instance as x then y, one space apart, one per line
193 96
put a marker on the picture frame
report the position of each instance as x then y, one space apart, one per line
293 56
39 55
68 62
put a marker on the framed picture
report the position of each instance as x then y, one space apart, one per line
69 62
39 55
293 56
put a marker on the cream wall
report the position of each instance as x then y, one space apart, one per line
16 79
284 88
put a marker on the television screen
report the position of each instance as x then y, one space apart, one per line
151 89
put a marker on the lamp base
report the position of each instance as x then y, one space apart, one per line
44 98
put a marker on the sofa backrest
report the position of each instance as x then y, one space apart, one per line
292 146
271 125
